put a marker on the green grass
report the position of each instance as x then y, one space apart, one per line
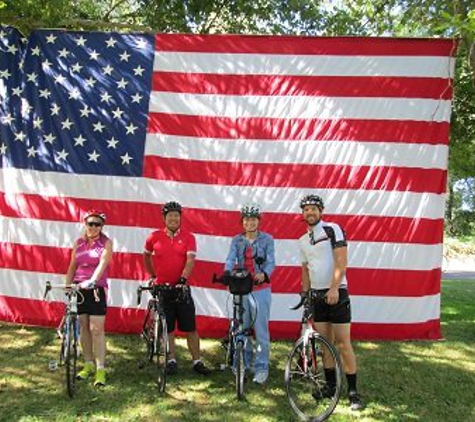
400 381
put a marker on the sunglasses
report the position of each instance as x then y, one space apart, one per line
94 224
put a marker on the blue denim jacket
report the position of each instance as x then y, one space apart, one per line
262 247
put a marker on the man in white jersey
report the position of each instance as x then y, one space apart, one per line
324 255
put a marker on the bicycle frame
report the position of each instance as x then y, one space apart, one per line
68 342
237 331
154 329
308 389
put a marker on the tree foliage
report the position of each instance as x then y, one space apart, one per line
399 18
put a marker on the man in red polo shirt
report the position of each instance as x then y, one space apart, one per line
169 257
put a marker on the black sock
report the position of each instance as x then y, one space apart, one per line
330 376
351 380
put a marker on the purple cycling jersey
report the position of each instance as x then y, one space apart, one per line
88 258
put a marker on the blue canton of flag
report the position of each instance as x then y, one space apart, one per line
74 102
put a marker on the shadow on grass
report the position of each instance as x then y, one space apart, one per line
401 381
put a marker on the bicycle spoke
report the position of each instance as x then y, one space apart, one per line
309 394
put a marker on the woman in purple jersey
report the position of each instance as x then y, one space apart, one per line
90 258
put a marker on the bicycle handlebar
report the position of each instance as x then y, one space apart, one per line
300 304
155 288
71 288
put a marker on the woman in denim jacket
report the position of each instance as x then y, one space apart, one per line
254 251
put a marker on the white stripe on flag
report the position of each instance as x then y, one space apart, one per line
298 152
215 303
305 107
308 65
215 248
226 198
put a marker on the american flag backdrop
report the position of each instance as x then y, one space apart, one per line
126 122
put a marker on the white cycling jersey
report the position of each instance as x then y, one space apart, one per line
316 249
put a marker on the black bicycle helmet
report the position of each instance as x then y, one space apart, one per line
171 206
312 200
250 210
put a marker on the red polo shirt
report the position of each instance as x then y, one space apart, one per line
169 254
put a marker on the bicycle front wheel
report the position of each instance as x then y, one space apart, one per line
70 348
240 369
312 396
161 351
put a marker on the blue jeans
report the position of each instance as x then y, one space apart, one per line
260 318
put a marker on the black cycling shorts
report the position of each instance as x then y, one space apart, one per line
340 313
181 313
90 306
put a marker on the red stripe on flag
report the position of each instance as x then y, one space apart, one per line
119 320
267 44
129 266
328 86
223 223
282 330
296 175
432 133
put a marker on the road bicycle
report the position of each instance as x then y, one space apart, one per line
310 395
240 284
70 334
154 329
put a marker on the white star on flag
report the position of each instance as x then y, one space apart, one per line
51 39
66 124
32 152
98 127
55 109
94 156
139 70
79 140
20 136
62 155
50 138
112 142
111 42
131 129
136 98
94 55
126 158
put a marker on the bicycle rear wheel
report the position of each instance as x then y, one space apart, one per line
309 394
161 351
70 355
240 369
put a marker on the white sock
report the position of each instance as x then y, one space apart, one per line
196 361
171 360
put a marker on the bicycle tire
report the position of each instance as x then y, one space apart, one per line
240 369
149 335
71 356
305 384
161 348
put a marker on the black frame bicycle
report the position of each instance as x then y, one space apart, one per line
154 329
240 284
69 342
309 395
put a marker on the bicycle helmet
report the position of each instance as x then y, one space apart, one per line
250 210
312 200
95 213
171 206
